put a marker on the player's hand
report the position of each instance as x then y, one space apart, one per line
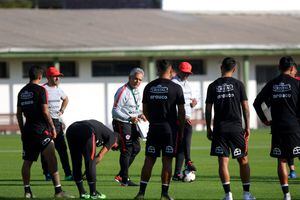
142 117
53 133
99 158
134 120
268 122
209 134
193 102
188 121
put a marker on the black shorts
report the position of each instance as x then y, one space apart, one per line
285 145
129 136
34 141
162 137
224 142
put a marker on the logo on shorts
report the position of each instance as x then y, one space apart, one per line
219 150
151 149
169 149
46 141
237 152
296 150
127 137
276 151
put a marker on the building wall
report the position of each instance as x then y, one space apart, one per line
92 97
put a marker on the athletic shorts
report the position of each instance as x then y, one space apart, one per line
34 140
129 136
162 137
285 145
224 142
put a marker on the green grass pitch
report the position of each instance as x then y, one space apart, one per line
264 181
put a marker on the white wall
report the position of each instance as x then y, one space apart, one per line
232 5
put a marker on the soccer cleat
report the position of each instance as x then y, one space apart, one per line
48 177
129 183
248 196
292 174
166 197
28 195
97 195
177 177
69 178
84 196
228 196
118 178
139 196
63 195
287 196
190 166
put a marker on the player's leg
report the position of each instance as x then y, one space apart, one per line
90 166
291 165
45 169
26 178
178 163
166 174
188 130
283 176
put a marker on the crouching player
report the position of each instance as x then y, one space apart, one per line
83 138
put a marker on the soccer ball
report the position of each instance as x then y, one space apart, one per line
188 176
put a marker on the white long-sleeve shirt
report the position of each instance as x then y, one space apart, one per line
187 93
127 103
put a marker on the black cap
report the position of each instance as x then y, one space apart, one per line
286 62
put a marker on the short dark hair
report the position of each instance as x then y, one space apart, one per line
35 72
286 62
163 65
228 64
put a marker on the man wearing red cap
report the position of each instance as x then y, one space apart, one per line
57 103
184 151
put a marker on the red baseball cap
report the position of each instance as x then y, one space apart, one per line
185 67
52 71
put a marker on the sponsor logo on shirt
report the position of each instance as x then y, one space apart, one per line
296 150
159 90
26 95
169 149
281 87
224 88
219 150
276 151
237 152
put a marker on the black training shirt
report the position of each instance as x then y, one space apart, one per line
226 94
162 97
282 95
104 136
31 98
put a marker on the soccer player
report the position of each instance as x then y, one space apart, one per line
282 95
184 151
126 113
163 106
228 95
57 102
37 132
83 138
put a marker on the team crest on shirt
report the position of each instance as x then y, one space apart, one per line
276 151
296 150
127 137
237 152
169 149
151 149
219 150
224 88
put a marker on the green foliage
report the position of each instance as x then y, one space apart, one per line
16 3
265 184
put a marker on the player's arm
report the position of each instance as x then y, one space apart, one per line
101 154
260 98
208 110
64 104
20 119
246 115
47 116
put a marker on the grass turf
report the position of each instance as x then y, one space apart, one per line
264 181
